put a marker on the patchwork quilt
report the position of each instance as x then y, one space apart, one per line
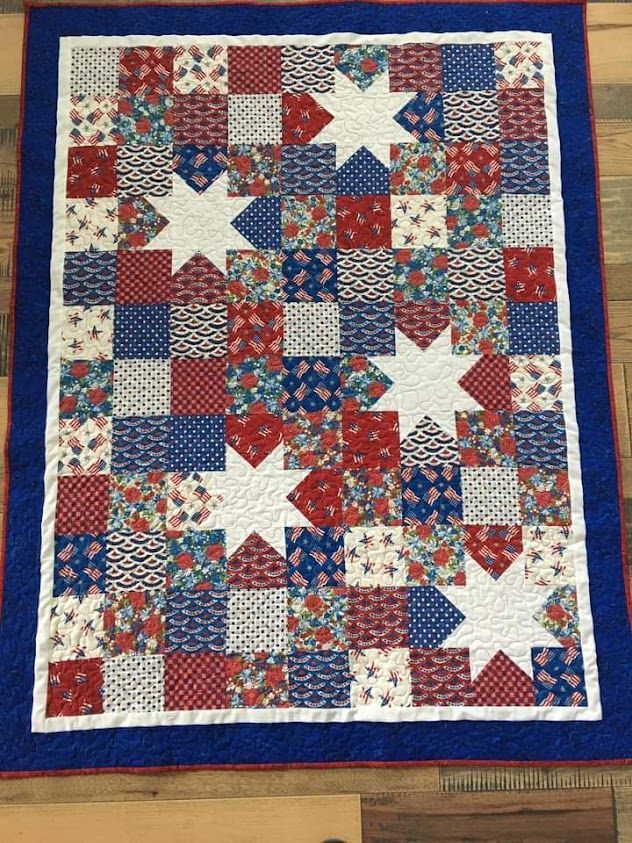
311 444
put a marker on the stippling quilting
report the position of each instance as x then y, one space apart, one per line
313 447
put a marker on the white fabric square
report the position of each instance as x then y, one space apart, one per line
490 496
548 556
94 70
85 446
526 220
197 330
254 118
471 116
380 678
257 620
92 118
86 333
365 274
76 628
141 388
200 69
311 329
375 556
190 502
91 224
135 561
418 220
133 683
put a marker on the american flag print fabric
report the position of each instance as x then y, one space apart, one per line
314 454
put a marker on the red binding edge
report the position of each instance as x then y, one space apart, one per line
468 762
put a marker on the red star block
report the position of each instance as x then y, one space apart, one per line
529 274
75 687
502 682
303 118
256 564
488 382
198 387
493 548
363 222
91 172
254 70
198 281
143 277
370 440
254 436
422 321
473 168
195 681
319 497
83 504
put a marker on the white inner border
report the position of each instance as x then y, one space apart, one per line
40 723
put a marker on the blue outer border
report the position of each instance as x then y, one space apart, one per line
309 743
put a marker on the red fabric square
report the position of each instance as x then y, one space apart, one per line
198 281
91 172
489 382
441 677
254 436
303 118
82 504
75 687
529 274
319 497
198 387
254 70
143 277
200 119
254 330
363 222
146 70
415 67
377 617
195 681
370 440
502 682
521 114
472 168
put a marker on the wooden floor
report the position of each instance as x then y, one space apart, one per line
414 804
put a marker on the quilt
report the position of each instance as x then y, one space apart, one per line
315 464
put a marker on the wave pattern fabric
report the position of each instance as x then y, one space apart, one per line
317 460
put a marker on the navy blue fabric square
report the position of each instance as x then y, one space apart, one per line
362 175
524 167
197 443
431 617
260 222
315 556
540 439
79 565
310 275
367 328
195 621
423 117
533 328
319 679
468 67
558 676
141 331
140 444
89 277
308 169
431 495
311 384
199 166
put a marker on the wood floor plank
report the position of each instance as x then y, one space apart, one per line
610 42
11 27
618 281
620 326
616 201
217 784
562 816
621 408
311 819
614 146
623 808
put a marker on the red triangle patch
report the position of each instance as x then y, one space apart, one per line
488 382
303 118
423 321
198 281
254 436
256 564
502 682
319 497
493 547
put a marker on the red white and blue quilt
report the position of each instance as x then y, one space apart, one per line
311 428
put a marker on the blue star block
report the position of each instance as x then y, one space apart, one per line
423 117
431 617
199 166
362 175
315 556
260 222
